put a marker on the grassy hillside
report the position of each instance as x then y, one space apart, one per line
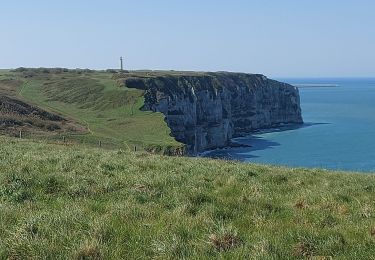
81 203
109 112
17 115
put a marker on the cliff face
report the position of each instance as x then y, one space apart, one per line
206 110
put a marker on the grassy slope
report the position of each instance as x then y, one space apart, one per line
76 202
111 113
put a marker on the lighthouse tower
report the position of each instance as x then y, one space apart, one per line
121 62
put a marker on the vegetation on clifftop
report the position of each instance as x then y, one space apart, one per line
111 114
81 203
180 82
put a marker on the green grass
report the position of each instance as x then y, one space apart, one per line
111 113
72 202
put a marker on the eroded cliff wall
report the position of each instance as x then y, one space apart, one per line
206 110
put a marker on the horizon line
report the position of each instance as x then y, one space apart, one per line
177 70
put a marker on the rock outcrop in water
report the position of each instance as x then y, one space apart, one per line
206 110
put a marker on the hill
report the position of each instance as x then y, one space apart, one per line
168 112
91 100
18 116
85 203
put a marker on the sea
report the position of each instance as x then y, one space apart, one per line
338 133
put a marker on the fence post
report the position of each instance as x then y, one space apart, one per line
135 148
20 134
100 143
63 139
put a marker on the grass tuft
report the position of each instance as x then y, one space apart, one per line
89 250
225 239
372 231
306 247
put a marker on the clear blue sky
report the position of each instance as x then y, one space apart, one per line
279 38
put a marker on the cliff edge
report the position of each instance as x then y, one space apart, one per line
206 110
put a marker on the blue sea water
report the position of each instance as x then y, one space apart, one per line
339 130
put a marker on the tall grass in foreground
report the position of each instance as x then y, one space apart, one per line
74 202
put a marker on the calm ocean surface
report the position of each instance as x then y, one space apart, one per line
339 131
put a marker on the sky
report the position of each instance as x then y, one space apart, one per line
278 38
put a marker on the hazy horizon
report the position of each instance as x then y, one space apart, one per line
288 39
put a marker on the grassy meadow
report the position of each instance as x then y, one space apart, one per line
76 202
109 112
